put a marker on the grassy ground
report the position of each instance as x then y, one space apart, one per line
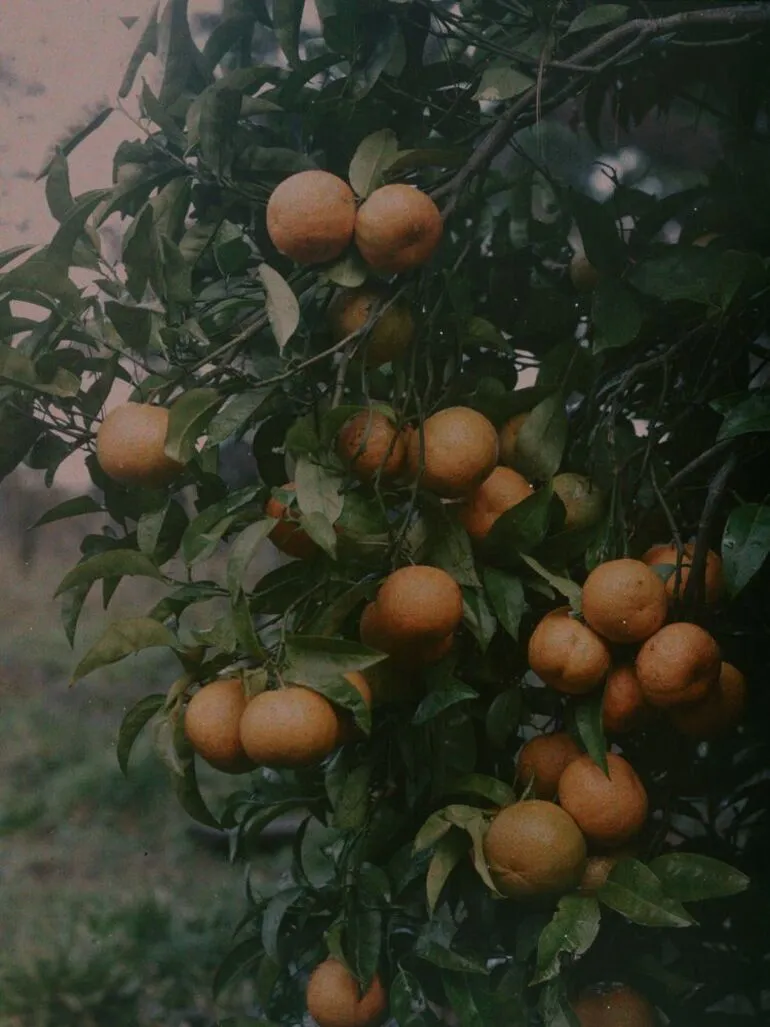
112 911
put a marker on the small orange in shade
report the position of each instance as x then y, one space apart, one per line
130 446
310 216
370 444
541 761
582 273
211 724
397 228
624 601
458 447
289 727
623 704
718 712
598 868
501 491
334 1000
287 535
679 664
348 731
666 555
567 654
608 810
619 1006
391 333
508 435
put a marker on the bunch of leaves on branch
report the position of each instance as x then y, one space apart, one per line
507 441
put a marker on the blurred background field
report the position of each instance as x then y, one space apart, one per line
114 909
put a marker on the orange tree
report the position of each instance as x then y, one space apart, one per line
440 512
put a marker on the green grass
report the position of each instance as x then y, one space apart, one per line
112 912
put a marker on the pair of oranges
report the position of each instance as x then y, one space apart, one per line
283 728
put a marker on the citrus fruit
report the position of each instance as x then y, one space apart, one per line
624 601
679 664
460 450
534 848
623 704
310 216
289 727
334 1000
583 501
211 725
608 810
666 555
391 333
348 730
582 273
369 444
567 654
287 535
718 712
541 761
501 491
508 435
397 228
130 446
419 603
598 868
706 239
619 1006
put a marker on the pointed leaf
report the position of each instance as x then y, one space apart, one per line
315 659
132 725
115 564
541 439
598 16
187 419
281 304
318 490
635 891
190 799
77 507
372 158
502 84
287 19
691 877
122 639
590 726
244 550
745 545
569 589
448 692
616 315
571 932
752 415
506 594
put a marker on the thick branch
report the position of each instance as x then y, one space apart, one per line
695 588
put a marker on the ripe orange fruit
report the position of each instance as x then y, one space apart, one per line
582 273
567 654
583 501
289 727
534 848
623 704
348 732
211 725
508 435
541 761
499 492
667 555
608 810
369 443
287 535
460 451
406 653
619 1006
397 228
419 603
624 601
130 446
310 216
718 712
390 335
334 1000
679 664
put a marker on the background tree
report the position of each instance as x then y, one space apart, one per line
640 365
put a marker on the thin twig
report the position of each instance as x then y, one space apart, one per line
695 465
696 581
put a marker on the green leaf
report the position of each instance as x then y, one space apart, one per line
133 324
745 545
235 416
64 147
448 691
482 333
245 630
238 961
568 588
349 271
217 119
42 275
571 932
363 931
9 255
313 659
150 524
287 19
439 823
599 232
321 531
686 273
478 617
388 55
497 792
115 564
598 16
554 1005
187 420
636 892
449 546
204 533
503 717
541 439
372 158
18 369
752 415
351 803
691 877
616 315
472 1001
146 44
502 84
406 1000
340 692
132 725
273 918
521 528
57 187
190 799
590 727
281 304
121 639
77 507
177 273
447 959
506 594
318 490
244 550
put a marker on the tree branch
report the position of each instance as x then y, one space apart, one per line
696 582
